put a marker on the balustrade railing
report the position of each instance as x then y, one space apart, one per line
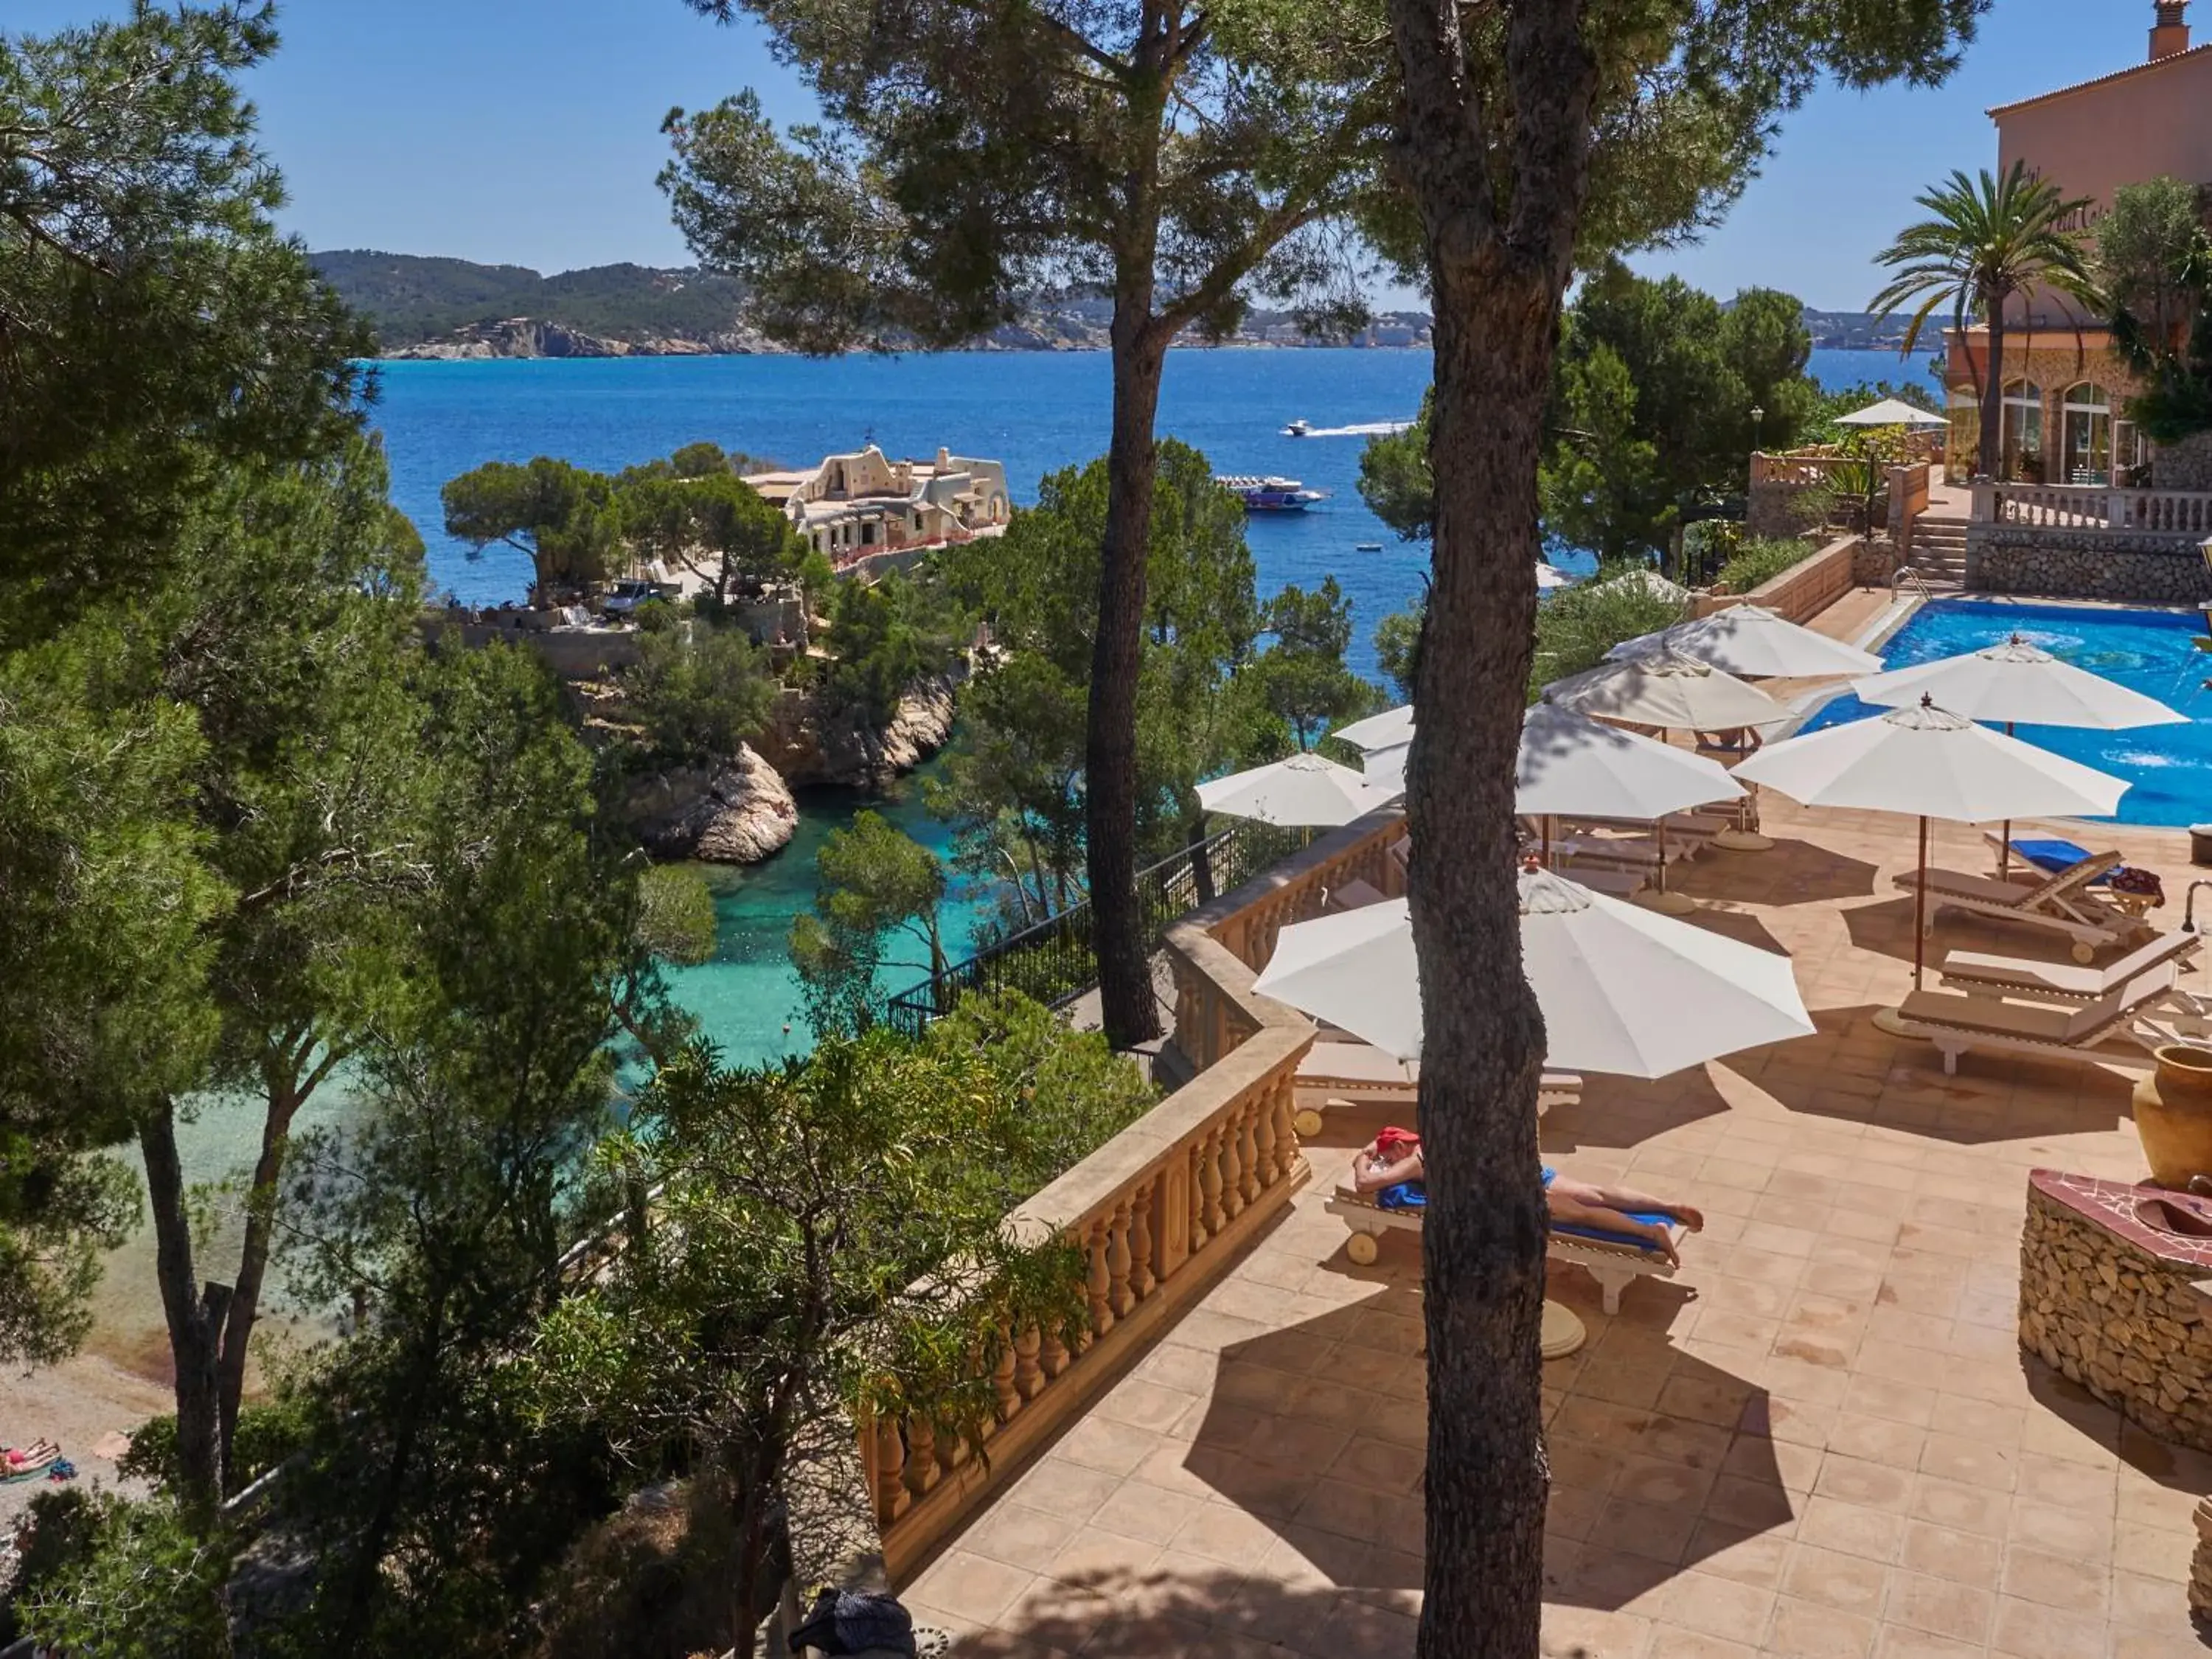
2168 512
1159 1212
2177 513
2056 506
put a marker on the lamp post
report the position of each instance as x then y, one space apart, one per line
1758 417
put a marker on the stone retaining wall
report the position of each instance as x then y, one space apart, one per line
2084 564
2185 465
1874 563
2110 1312
2200 1564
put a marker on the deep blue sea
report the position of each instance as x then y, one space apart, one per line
2169 768
1035 412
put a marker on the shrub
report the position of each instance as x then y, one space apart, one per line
1575 628
1760 559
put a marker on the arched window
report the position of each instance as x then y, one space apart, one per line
2086 435
2023 430
1962 443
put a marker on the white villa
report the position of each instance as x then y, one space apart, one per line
853 506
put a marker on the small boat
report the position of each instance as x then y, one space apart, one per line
1367 547
1270 495
1297 428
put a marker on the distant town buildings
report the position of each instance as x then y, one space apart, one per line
865 508
2064 388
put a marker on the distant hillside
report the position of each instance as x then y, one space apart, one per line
1858 330
429 307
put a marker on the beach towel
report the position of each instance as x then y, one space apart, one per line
1406 1195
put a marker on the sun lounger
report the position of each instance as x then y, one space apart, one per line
1692 828
1955 1022
1356 1073
1980 975
1623 851
1610 879
1614 1260
2058 902
2036 856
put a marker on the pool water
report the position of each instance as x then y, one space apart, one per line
2169 768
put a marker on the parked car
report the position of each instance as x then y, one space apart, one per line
625 596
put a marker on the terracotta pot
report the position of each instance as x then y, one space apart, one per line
2174 1115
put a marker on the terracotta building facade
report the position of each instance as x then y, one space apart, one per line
2065 389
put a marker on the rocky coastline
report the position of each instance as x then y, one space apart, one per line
744 810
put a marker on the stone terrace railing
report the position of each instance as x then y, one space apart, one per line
1803 471
2181 515
1159 1211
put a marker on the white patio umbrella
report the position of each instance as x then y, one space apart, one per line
1388 730
2017 683
1649 581
1550 577
1668 690
1891 411
1931 763
1622 990
1749 639
1385 769
1305 791
1570 764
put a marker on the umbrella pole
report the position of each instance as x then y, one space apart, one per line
1548 818
2004 852
1920 912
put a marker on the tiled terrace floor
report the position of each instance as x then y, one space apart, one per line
1820 1439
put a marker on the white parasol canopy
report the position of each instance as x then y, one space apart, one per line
1932 763
2018 683
1749 639
1891 411
1550 577
1388 730
1571 763
1622 990
1305 791
1670 690
1646 581
1385 769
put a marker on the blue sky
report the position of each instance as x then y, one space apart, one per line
528 133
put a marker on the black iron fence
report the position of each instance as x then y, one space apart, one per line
1053 960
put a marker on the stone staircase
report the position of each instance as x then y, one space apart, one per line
1939 548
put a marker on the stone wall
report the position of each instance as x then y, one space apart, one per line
2112 1316
2185 465
1873 563
2200 1564
2083 564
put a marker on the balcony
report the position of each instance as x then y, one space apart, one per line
1820 1438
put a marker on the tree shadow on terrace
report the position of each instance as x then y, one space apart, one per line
1792 871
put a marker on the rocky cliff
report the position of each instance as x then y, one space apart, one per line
739 813
808 747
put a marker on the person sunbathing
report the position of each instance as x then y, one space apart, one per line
1393 1160
25 1457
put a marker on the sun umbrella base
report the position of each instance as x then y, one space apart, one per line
1563 1331
1666 903
1743 841
1889 1021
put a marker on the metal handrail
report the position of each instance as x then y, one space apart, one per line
1053 960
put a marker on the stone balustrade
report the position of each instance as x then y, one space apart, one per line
1158 1213
2180 514
2162 512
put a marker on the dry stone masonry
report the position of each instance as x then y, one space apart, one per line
2083 564
2108 1301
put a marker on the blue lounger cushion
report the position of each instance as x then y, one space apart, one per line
1657 1218
2055 856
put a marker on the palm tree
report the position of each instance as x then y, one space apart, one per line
1987 240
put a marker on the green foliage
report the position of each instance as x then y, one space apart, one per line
676 914
885 636
1301 675
697 691
695 511
2154 264
1761 558
409 299
1652 394
1575 627
139 1582
1398 647
1986 240
829 1234
561 515
873 880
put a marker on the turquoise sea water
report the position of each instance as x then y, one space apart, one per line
2169 768
1035 412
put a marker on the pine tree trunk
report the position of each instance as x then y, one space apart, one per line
1499 254
237 1333
1124 979
1992 445
194 1317
1483 1046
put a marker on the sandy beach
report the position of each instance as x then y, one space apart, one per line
76 1404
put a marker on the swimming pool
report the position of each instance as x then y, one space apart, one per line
2152 652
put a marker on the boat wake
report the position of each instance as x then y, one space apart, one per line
1364 430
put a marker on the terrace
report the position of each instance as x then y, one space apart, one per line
1820 1439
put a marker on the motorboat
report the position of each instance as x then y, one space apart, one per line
1297 429
1271 494
1367 547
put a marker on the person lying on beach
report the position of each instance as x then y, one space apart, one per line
25 1457
1393 1159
